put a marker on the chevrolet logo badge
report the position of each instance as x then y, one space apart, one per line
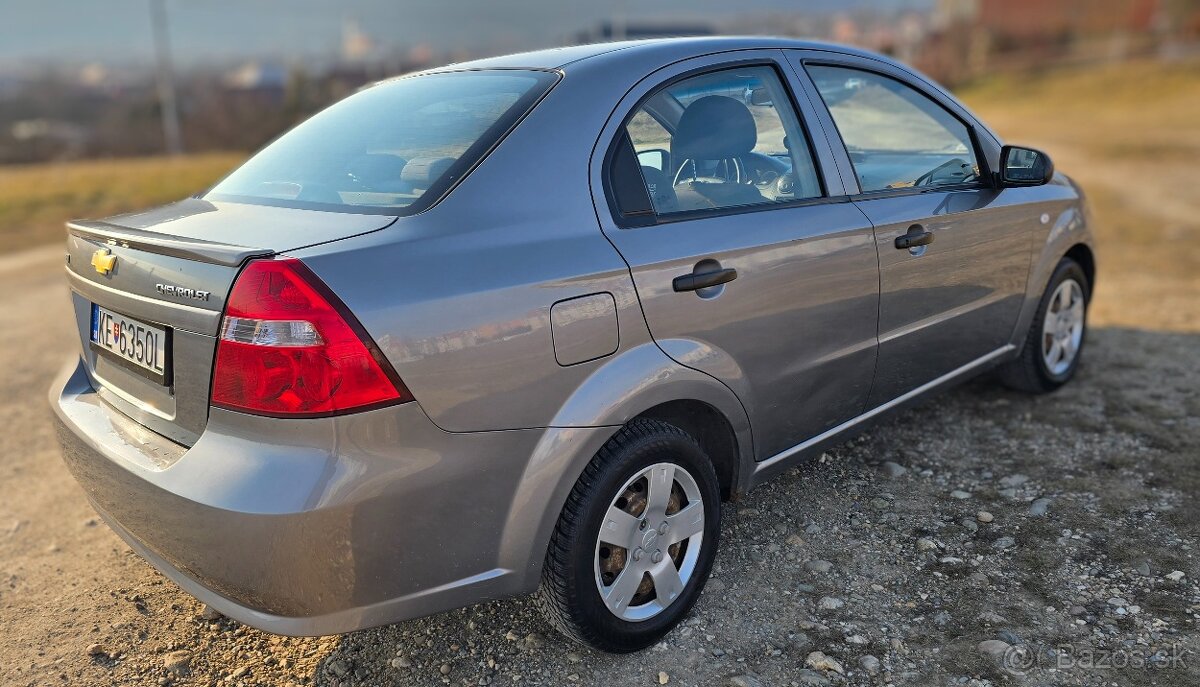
104 261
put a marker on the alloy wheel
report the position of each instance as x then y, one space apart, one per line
1062 329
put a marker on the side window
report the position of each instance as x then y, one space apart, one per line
897 137
652 141
722 139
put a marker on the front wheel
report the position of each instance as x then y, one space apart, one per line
635 541
1054 344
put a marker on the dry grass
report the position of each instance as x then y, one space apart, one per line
35 200
1130 135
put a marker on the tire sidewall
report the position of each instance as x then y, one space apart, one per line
1067 269
663 447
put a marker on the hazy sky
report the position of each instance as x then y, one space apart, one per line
221 30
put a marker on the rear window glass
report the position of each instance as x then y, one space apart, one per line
390 149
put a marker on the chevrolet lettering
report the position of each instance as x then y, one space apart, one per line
182 292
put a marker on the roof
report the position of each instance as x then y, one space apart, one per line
679 48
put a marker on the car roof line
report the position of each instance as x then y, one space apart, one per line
707 45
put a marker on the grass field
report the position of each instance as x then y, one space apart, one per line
35 200
1129 133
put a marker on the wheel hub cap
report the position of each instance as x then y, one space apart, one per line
649 542
1062 329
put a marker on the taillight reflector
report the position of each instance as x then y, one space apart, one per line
289 348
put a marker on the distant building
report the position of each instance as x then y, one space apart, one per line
257 76
56 138
27 129
1033 20
357 45
970 37
616 31
94 75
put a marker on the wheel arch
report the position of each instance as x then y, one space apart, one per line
712 430
1082 254
640 382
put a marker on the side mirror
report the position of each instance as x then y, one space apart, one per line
1024 167
760 96
654 157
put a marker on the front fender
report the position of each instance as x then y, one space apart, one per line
1068 229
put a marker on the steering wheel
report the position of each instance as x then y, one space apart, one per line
767 179
318 193
704 180
927 177
708 179
782 186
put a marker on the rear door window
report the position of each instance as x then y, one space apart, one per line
393 148
896 136
723 139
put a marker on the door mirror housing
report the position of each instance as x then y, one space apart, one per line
1024 167
761 97
654 157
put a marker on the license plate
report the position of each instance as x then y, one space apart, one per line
134 344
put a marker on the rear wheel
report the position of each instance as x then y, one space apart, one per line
636 540
1054 344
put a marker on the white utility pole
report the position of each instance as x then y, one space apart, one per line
172 135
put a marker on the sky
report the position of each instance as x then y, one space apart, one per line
220 31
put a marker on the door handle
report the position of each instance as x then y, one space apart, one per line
916 236
693 281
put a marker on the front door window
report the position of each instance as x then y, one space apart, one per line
896 136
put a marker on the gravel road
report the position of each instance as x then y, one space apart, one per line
984 538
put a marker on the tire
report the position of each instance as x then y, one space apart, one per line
1032 372
579 564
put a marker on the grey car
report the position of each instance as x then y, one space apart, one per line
522 324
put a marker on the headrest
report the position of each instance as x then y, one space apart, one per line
378 170
421 172
715 127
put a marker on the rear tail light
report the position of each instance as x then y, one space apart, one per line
289 348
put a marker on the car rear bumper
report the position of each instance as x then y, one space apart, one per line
309 527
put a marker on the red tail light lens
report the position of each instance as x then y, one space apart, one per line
289 348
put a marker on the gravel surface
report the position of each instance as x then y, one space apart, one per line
983 538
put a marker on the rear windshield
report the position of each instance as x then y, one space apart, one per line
391 149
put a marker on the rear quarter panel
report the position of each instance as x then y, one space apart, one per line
459 297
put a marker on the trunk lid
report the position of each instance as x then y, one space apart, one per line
173 268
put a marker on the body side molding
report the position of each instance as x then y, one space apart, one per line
780 460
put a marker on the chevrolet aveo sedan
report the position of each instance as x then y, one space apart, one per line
522 324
